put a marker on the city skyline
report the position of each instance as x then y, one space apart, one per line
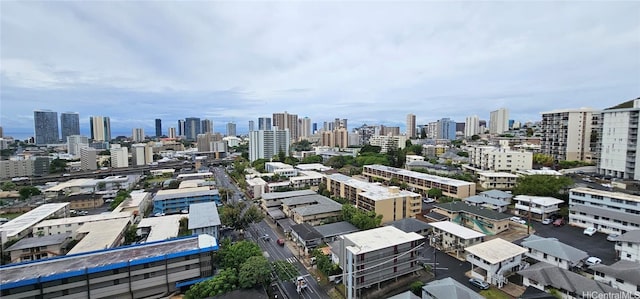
229 63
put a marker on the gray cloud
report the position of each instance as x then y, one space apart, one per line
370 62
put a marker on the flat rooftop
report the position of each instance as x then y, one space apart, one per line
420 175
135 200
187 192
163 227
539 200
313 166
82 219
498 174
80 262
203 215
457 230
372 191
100 235
379 238
31 218
194 175
611 194
495 250
72 183
281 195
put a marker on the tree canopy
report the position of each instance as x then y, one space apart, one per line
542 185
312 159
237 216
225 281
256 270
285 270
360 219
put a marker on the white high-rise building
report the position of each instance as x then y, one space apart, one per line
75 143
411 125
100 127
264 144
305 128
88 158
619 151
137 134
141 154
119 157
171 133
499 121
471 126
567 134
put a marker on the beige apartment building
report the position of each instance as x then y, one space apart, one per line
390 202
567 134
490 158
421 181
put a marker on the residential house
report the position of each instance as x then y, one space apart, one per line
570 285
330 232
306 236
313 209
540 207
493 261
483 220
554 252
628 246
622 275
497 194
447 288
31 249
487 202
204 219
453 238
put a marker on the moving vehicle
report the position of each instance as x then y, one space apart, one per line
518 220
301 283
589 231
558 222
479 283
592 261
280 242
547 221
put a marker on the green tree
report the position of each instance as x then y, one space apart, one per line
57 166
302 145
416 287
254 271
285 270
324 263
529 132
475 137
234 255
415 149
291 160
184 227
463 154
26 192
259 165
542 159
225 194
8 186
281 156
224 282
542 185
237 217
434 193
312 159
367 148
174 184
131 234
101 186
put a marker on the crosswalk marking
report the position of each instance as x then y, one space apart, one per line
292 260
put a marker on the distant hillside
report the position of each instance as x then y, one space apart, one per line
627 104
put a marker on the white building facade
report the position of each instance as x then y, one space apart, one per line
490 158
472 126
566 134
607 211
619 151
499 121
264 144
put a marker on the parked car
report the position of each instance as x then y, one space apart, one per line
555 217
280 242
558 222
612 237
592 261
479 283
428 200
547 221
590 231
518 220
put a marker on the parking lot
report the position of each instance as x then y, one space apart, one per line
596 245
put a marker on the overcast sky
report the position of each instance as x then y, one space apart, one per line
369 62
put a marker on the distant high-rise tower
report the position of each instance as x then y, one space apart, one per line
119 157
100 128
499 121
314 128
191 128
264 144
618 146
339 123
171 133
181 127
471 126
411 125
567 134
446 129
287 121
88 158
70 124
305 128
231 129
251 126
46 127
137 134
75 143
264 123
207 126
158 127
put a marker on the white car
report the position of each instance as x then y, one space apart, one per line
547 221
592 261
590 231
428 200
518 220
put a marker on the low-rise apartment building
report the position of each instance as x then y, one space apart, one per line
496 159
622 275
31 249
497 180
546 277
628 246
372 257
540 207
421 182
487 202
312 209
204 219
554 252
100 235
152 270
493 261
483 220
176 200
71 224
453 238
607 211
390 202
22 225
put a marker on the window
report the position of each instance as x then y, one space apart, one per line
618 280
